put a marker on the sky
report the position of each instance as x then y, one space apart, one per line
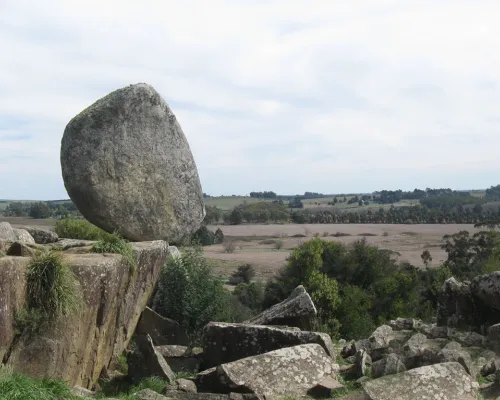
282 95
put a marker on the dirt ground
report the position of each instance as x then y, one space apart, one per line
409 241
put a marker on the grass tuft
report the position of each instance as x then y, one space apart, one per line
114 243
19 387
52 288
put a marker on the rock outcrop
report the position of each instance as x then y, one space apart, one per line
78 348
224 342
127 166
446 381
290 371
297 310
42 236
7 232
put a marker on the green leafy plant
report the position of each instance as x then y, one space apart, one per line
114 243
52 288
72 228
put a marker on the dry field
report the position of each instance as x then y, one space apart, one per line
409 241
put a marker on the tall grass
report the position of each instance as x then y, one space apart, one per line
19 387
82 229
52 288
114 243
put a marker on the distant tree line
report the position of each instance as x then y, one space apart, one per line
41 209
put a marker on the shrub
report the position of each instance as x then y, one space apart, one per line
204 236
244 274
340 234
82 229
114 243
267 241
278 244
20 387
219 236
229 246
52 288
189 293
251 295
326 234
385 234
367 234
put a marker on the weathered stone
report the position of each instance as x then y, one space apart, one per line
127 166
208 381
182 385
363 363
42 236
381 352
173 252
77 348
179 395
456 306
447 381
390 364
148 394
12 298
225 342
147 361
66 244
162 330
181 358
489 368
461 357
404 324
297 310
82 392
326 388
23 236
467 338
419 351
290 371
381 337
433 331
487 288
453 346
18 249
7 232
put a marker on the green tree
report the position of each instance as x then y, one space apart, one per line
40 210
426 258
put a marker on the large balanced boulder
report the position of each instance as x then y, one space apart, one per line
297 310
292 371
446 381
226 342
127 166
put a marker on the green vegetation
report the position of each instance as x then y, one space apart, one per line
19 387
52 289
39 209
72 228
114 243
190 294
356 287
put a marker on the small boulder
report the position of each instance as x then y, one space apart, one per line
148 394
363 363
162 330
404 324
23 236
459 356
291 371
146 361
226 342
447 381
42 236
127 166
297 310
7 232
456 306
182 385
468 339
389 365
181 358
381 337
326 389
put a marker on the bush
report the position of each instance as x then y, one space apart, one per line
52 288
190 294
82 229
244 274
340 234
251 295
278 244
19 387
114 243
229 246
204 236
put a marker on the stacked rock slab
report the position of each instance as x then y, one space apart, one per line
297 310
127 166
224 342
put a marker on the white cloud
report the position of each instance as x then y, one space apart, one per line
290 95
